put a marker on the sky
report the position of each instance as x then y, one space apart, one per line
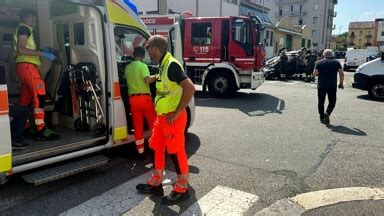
356 10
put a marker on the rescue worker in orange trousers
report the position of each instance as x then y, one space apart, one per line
140 100
27 69
174 90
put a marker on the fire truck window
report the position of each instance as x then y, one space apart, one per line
201 33
241 32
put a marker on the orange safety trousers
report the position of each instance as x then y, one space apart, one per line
32 90
170 138
141 107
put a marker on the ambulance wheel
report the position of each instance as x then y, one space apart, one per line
99 130
80 125
221 85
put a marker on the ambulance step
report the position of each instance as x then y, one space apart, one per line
62 171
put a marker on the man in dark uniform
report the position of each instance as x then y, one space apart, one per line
310 60
327 70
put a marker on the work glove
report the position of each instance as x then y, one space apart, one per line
49 56
341 86
48 50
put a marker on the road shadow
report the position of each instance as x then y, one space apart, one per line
252 104
345 130
368 98
160 209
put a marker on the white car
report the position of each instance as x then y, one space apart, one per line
354 58
370 76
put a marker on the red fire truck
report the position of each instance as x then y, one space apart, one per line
221 53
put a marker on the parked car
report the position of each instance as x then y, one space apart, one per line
354 58
272 66
370 76
339 54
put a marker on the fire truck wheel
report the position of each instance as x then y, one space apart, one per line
221 85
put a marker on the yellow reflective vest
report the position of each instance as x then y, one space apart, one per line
168 93
30 45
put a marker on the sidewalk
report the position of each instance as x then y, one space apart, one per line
340 201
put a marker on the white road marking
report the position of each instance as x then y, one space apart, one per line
117 200
222 201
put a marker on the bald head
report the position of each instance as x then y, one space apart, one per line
159 42
327 53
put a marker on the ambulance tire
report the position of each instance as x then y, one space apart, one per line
221 85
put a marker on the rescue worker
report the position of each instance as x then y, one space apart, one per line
310 61
140 100
283 65
27 69
174 90
18 116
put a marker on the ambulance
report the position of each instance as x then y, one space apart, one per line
87 100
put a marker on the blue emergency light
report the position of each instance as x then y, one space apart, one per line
131 5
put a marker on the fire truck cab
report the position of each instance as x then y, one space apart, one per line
221 53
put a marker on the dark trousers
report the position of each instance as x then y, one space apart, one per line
321 93
19 115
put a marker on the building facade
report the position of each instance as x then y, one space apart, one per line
379 33
361 34
317 14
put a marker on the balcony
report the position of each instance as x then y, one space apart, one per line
369 35
291 13
283 2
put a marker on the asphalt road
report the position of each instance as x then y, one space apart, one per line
267 142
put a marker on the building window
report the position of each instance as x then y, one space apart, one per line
201 33
78 32
360 33
271 39
314 20
300 21
316 6
314 32
291 7
382 34
314 44
301 9
280 10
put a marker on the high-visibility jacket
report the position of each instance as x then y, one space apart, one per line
30 45
168 93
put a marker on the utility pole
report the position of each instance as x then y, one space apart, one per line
340 29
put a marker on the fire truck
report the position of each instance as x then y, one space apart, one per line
220 53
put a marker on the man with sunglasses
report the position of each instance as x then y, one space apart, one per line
174 90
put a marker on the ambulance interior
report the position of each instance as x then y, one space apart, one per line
75 82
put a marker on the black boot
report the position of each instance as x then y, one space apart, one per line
175 198
149 189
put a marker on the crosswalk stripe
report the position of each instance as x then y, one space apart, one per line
115 201
222 201
124 200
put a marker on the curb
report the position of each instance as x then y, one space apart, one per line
301 203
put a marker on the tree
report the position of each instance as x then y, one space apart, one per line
342 41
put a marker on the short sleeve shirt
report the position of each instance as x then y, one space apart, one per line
135 73
176 74
328 69
23 30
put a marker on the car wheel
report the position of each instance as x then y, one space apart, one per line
221 85
376 91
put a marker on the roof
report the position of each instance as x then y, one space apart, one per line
359 25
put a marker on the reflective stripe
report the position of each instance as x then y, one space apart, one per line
117 92
5 162
4 106
156 178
